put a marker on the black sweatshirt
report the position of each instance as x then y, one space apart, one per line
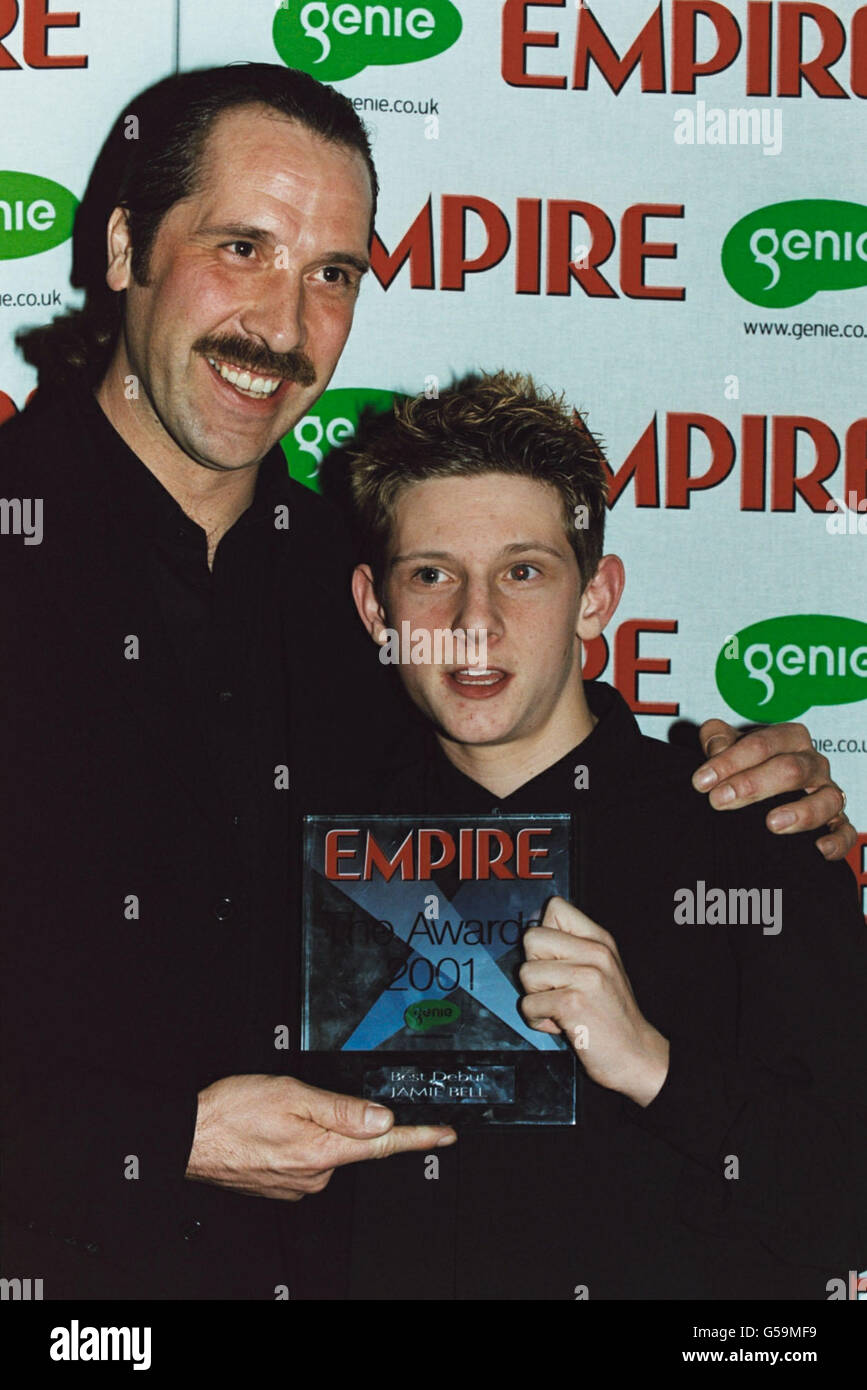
745 1176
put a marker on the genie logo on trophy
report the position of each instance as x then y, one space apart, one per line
412 941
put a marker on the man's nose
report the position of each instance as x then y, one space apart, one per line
276 314
479 608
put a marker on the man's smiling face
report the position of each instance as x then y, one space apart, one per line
490 553
257 271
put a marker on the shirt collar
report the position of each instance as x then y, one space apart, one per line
595 770
132 490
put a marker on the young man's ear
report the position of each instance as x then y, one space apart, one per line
370 610
601 597
119 248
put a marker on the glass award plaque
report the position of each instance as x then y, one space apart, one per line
412 941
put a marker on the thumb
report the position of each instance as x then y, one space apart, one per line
715 736
347 1115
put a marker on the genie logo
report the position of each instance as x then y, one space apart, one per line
431 1013
333 420
35 214
332 41
782 255
778 668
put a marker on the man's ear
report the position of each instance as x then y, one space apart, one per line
119 248
601 597
370 610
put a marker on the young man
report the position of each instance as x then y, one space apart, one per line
720 1149
184 597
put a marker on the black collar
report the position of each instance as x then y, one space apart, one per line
135 495
607 756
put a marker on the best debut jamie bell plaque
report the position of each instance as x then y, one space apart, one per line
412 941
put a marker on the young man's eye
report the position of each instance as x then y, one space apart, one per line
523 571
429 574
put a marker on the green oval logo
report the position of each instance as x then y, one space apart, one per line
425 1014
785 253
332 40
35 214
333 420
778 668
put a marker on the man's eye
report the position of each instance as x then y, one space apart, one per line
429 574
243 249
336 275
523 571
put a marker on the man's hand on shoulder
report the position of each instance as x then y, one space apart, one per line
273 1136
779 758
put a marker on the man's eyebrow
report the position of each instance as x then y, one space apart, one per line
515 548
243 232
237 229
422 555
519 546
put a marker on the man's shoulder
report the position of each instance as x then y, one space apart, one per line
31 441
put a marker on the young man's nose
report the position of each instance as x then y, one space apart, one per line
479 608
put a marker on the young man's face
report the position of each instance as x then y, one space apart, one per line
259 270
491 553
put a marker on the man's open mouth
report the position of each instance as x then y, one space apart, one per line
478 681
246 383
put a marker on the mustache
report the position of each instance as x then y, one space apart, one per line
255 358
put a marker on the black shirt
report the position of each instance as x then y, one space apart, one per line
156 712
767 1036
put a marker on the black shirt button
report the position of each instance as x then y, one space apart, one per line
224 909
236 820
225 696
191 1230
92 1248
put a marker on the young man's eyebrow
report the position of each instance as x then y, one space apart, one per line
515 548
519 546
422 555
244 232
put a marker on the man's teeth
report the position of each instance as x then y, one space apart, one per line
256 386
478 677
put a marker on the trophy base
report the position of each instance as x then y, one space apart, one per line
464 1089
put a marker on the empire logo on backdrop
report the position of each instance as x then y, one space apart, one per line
771 44
332 40
779 668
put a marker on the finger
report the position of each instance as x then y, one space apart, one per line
346 1115
750 751
330 1150
547 943
563 916
403 1138
785 772
715 735
842 839
810 813
549 1006
539 975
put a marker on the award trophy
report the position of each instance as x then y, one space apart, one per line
412 941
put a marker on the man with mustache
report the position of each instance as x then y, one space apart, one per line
186 595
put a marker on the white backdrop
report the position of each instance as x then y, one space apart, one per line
492 151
